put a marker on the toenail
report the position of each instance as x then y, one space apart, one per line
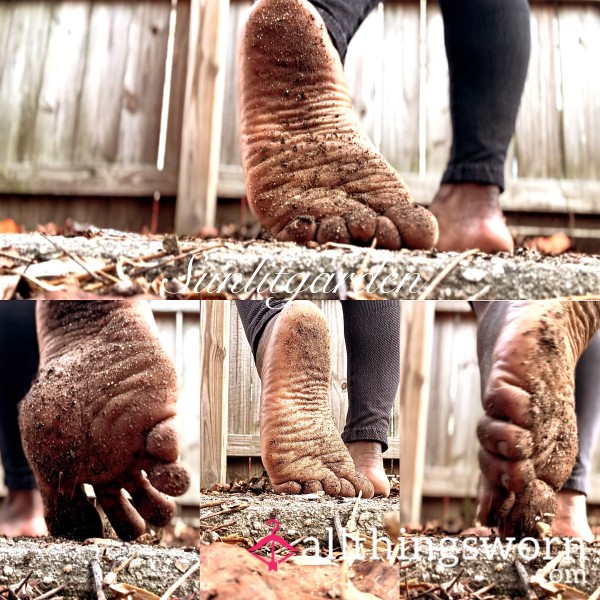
505 479
503 448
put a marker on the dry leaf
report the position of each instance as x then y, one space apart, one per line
347 591
135 593
9 226
551 245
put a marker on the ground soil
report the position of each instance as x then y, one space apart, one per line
33 266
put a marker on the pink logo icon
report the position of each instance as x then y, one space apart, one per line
273 540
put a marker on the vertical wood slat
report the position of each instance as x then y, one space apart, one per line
364 73
177 92
214 367
538 143
202 120
579 35
25 41
438 133
400 110
416 345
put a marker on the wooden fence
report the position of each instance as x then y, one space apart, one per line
119 98
178 326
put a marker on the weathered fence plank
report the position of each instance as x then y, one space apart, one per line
538 132
400 80
417 321
214 369
202 118
579 31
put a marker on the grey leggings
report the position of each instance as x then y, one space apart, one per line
372 334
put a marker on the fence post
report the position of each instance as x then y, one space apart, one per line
214 385
416 345
203 111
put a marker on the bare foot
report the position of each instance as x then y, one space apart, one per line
529 432
368 461
571 516
310 173
22 514
100 412
469 216
301 448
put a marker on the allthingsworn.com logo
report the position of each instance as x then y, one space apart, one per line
271 541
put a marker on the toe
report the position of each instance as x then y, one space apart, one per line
162 441
513 475
312 487
125 520
71 515
362 224
360 483
347 490
333 229
170 478
153 506
504 439
417 226
504 399
387 234
494 503
332 486
288 487
300 230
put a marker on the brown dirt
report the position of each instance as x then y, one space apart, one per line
98 413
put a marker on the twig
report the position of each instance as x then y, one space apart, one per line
97 578
51 592
217 527
487 588
191 570
28 261
79 261
23 582
444 272
337 523
223 512
482 292
447 587
126 563
214 503
523 576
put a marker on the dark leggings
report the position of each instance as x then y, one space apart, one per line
487 45
490 316
372 334
18 367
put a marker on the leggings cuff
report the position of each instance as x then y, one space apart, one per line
366 435
577 484
475 173
20 481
